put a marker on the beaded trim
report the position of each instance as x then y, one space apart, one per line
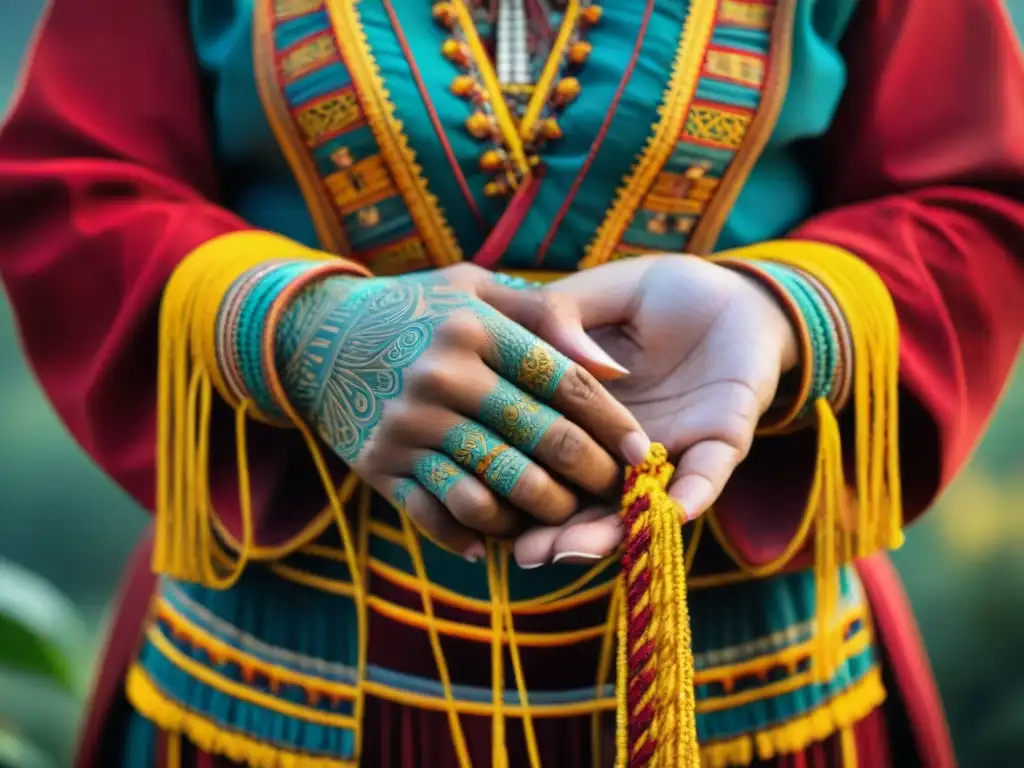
513 147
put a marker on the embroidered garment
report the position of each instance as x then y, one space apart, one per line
378 130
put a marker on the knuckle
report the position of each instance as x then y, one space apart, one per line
462 330
465 274
433 377
580 385
567 446
472 505
539 311
531 490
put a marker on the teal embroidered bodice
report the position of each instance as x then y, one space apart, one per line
777 195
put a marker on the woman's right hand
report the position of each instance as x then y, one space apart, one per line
449 407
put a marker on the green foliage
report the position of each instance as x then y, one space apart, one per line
41 635
16 752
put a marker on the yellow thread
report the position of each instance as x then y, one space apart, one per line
848 742
552 602
388 131
188 370
672 113
874 334
517 665
151 703
362 628
499 752
412 618
458 737
604 666
173 751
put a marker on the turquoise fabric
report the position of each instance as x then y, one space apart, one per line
260 187
296 628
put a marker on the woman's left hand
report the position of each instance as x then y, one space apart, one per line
705 346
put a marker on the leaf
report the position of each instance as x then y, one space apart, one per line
15 752
41 632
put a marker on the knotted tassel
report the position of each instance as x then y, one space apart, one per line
656 717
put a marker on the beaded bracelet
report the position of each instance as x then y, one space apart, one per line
825 351
824 341
843 379
243 323
784 411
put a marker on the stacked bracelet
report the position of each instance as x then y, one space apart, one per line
825 350
247 318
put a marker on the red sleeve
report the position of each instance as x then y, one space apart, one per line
923 178
107 181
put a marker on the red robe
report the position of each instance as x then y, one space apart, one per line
107 181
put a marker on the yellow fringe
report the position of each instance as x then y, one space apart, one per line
844 529
147 699
188 372
838 715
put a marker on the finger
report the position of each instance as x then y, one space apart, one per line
594 538
468 500
536 367
701 475
537 546
507 471
557 320
432 519
541 432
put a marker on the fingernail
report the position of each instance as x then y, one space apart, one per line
529 566
691 508
581 555
596 353
474 551
635 446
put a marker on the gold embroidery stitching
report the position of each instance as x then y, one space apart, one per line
328 116
756 15
740 67
717 126
307 57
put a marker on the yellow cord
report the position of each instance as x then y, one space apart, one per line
187 373
877 524
654 582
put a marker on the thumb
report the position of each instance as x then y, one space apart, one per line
557 318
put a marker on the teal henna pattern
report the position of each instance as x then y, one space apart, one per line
515 283
516 416
485 454
344 345
522 358
437 474
400 493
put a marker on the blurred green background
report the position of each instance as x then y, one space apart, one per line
963 566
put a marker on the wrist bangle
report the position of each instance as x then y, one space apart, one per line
842 381
824 341
778 419
274 315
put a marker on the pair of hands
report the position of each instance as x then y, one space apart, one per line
485 407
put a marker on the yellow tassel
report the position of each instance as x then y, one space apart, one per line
188 372
876 521
656 722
